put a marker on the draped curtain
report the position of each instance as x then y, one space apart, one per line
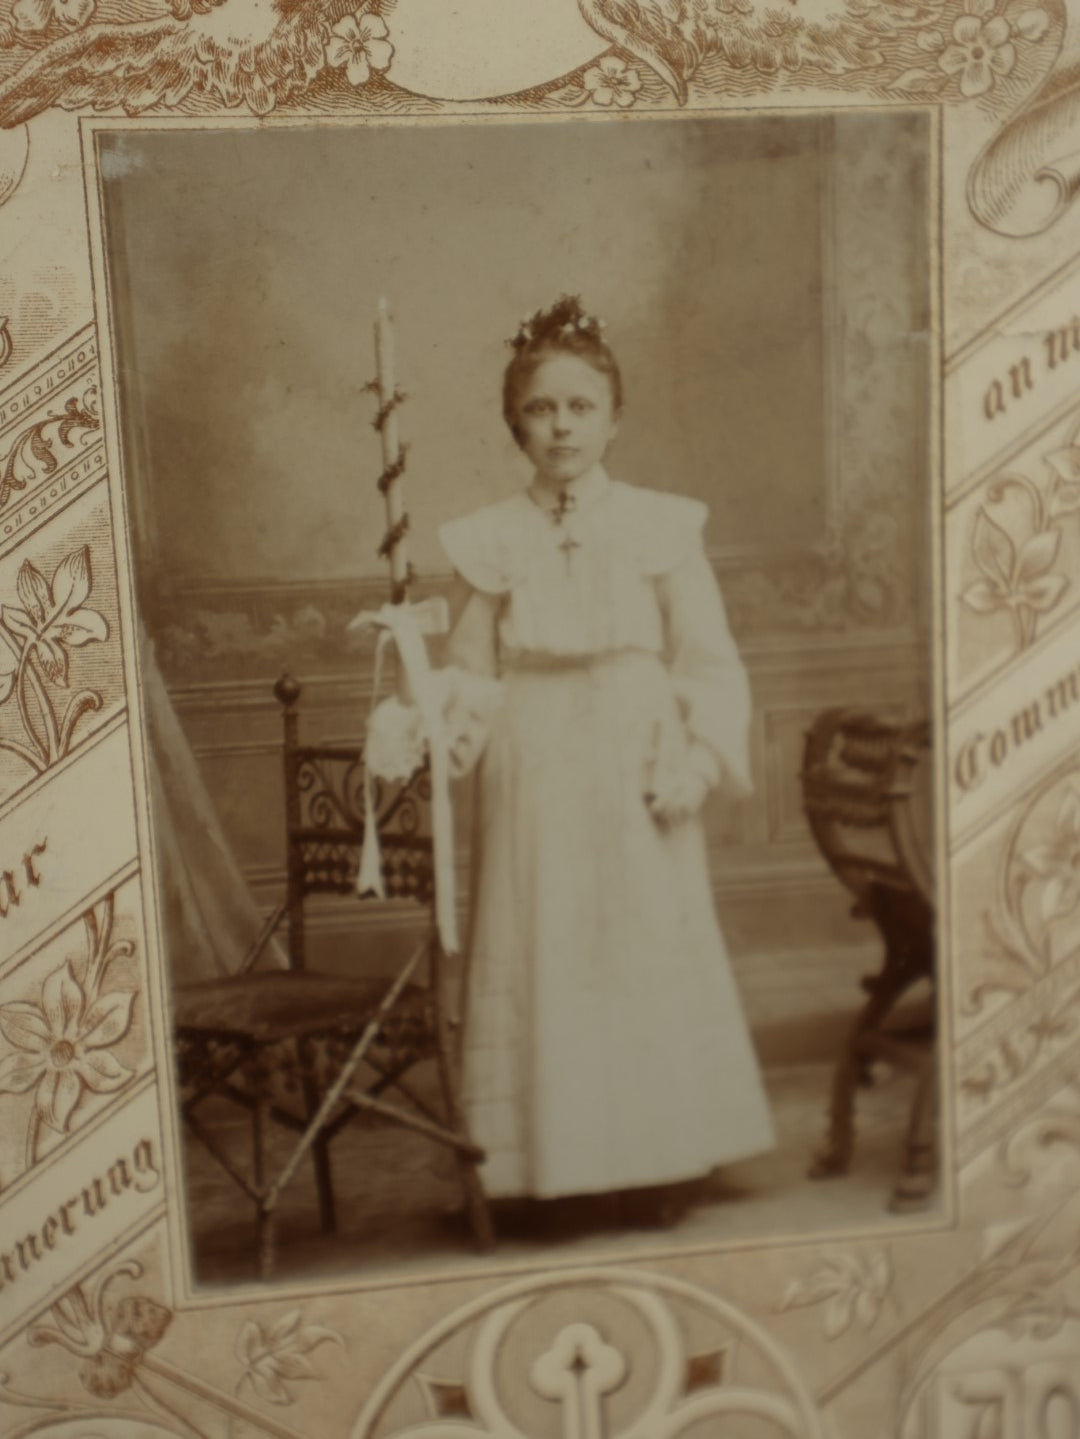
209 916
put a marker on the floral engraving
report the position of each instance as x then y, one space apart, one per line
1014 1055
268 56
34 17
359 44
36 640
1015 577
114 1340
61 1042
278 53
33 455
609 84
850 1286
1030 943
978 50
111 1341
1016 553
276 1355
146 57
1055 864
1028 931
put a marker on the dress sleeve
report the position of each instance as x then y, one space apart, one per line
709 678
472 691
472 644
477 547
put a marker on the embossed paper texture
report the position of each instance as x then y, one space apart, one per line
833 244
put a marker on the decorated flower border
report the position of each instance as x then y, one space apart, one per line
865 1318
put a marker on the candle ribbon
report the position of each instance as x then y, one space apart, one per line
405 626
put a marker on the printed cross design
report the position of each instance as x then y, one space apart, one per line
577 1372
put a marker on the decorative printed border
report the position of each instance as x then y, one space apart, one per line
924 1334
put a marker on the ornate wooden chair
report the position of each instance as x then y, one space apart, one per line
867 797
312 1051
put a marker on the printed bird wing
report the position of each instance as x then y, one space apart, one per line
130 67
650 32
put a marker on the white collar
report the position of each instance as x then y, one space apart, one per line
580 493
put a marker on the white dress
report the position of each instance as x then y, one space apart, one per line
605 1044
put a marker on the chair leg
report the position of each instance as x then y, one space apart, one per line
476 1204
265 1241
320 1149
477 1209
264 1217
324 1183
916 1184
834 1153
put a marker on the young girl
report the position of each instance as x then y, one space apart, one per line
605 1046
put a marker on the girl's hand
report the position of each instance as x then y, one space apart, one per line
467 746
469 703
678 799
679 790
680 793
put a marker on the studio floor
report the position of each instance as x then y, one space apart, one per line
397 1197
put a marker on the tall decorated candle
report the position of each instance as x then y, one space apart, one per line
393 547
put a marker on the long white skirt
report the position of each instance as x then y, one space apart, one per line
605 1045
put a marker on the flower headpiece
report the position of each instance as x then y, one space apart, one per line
558 324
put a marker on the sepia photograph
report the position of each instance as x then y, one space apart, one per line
532 535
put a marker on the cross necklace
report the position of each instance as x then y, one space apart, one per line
564 506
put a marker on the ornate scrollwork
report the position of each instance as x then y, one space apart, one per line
331 791
328 836
331 787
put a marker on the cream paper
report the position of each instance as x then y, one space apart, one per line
835 245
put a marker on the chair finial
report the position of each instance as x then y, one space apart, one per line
286 691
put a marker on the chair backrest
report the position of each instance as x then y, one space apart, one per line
866 797
324 823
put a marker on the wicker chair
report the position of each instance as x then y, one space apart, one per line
867 799
311 1051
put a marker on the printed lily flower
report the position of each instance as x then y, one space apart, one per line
272 1356
981 48
612 82
851 1286
112 1342
31 17
62 1045
1013 579
1057 862
360 44
54 618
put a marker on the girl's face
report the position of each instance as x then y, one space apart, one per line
565 418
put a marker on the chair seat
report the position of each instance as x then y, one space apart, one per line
267 1008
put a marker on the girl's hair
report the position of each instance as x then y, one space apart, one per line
564 329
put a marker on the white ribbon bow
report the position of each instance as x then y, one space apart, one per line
405 625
